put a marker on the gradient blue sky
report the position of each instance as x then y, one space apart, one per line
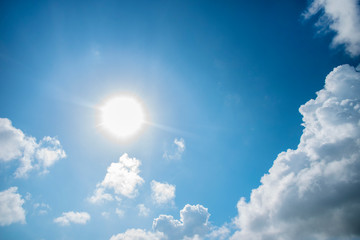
226 76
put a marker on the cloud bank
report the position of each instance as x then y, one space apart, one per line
342 17
313 192
15 145
11 210
72 217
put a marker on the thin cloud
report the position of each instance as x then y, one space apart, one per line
177 151
119 212
143 211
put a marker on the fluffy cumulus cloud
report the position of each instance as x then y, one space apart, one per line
11 210
162 193
342 17
313 192
122 177
193 223
138 234
15 145
72 217
177 151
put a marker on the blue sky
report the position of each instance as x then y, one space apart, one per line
226 79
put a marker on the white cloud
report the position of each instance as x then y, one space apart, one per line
176 153
28 196
313 192
193 221
41 208
49 152
162 193
143 211
100 196
220 233
122 177
138 234
15 145
193 225
72 217
342 17
119 212
105 214
11 210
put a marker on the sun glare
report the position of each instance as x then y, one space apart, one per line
122 116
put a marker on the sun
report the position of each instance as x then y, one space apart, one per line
122 116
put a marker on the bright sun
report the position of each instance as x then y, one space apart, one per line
122 116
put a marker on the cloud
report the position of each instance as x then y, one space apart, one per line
193 221
119 212
15 145
220 233
176 153
162 193
138 234
72 217
312 192
49 152
122 177
100 196
105 214
342 17
193 225
41 208
143 211
11 210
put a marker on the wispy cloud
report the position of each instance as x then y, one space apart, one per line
177 151
342 17
119 212
312 192
143 211
73 217
11 210
15 145
41 208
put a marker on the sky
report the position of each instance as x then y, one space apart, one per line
252 126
